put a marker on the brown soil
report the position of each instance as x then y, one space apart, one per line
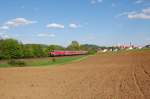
119 76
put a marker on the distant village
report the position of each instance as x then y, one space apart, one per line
122 47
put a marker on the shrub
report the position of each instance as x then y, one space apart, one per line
92 52
16 62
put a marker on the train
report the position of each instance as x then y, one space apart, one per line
67 53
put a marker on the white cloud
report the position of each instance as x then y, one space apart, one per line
46 35
55 25
143 14
16 22
96 1
74 26
139 16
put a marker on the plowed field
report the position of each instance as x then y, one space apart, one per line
109 76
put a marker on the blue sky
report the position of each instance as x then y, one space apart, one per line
101 22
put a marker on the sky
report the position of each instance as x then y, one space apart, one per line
101 22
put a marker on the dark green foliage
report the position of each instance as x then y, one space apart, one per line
16 63
34 50
27 51
37 50
10 48
92 51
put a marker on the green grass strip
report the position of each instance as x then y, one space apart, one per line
42 63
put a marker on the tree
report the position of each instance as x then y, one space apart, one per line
90 48
74 46
34 50
27 51
10 48
1 52
54 47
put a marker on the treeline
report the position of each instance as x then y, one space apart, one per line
13 49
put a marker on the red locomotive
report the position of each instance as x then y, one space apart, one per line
67 53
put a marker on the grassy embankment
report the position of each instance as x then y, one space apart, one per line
44 61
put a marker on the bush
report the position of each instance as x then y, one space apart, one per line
92 52
16 62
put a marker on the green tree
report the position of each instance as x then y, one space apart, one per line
10 48
54 47
1 52
27 51
37 50
74 46
90 48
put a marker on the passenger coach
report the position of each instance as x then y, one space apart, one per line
67 53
